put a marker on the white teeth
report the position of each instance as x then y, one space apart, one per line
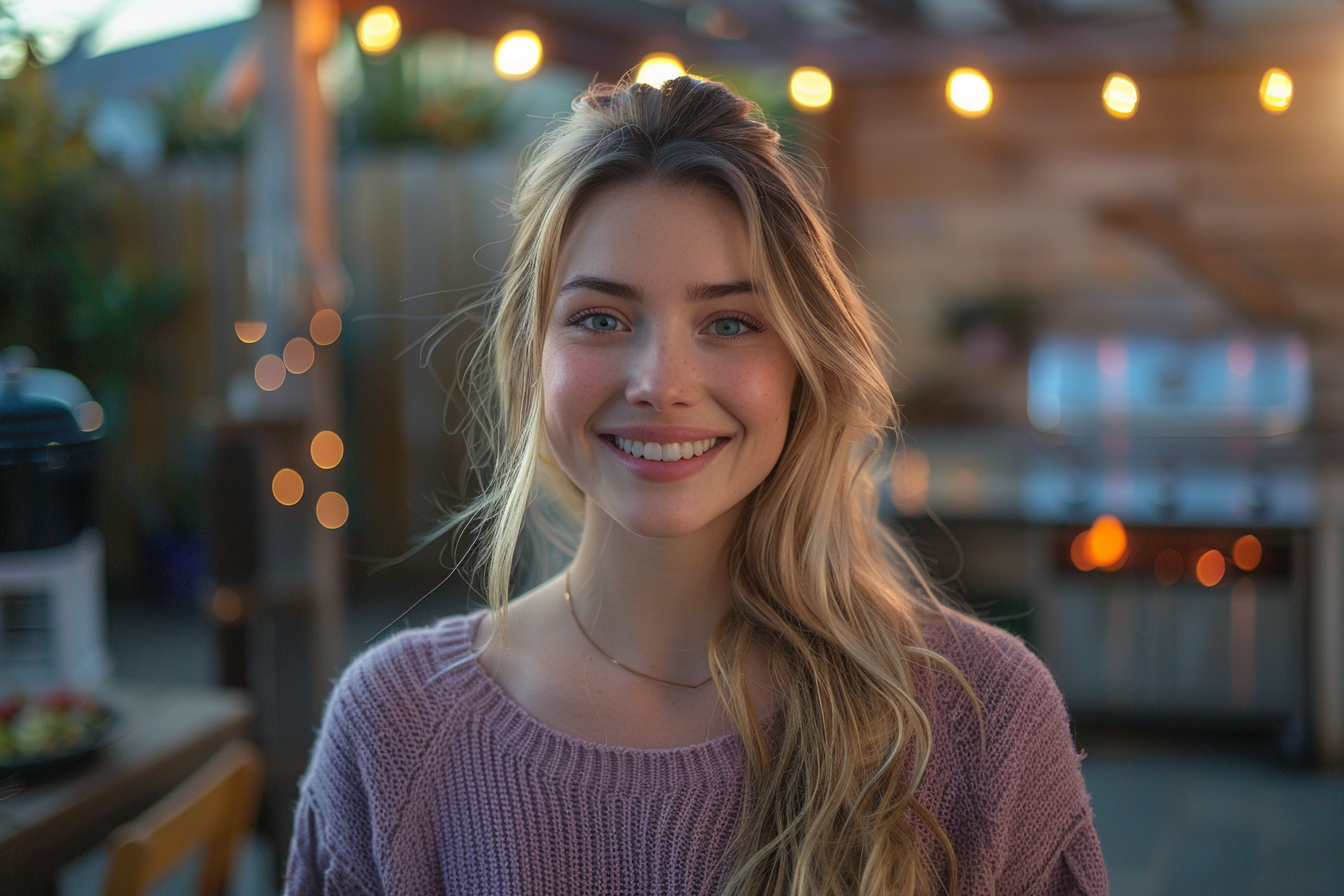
672 451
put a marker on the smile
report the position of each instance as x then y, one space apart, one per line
672 451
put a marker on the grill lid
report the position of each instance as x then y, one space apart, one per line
40 408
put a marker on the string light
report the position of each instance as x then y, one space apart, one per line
659 68
332 510
518 55
299 355
969 93
379 30
1210 568
1276 91
249 331
287 487
810 89
327 449
325 327
1246 552
269 372
1120 95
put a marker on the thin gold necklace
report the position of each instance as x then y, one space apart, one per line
689 687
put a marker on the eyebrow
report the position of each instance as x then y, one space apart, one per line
701 293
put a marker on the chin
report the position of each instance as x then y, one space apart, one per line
663 521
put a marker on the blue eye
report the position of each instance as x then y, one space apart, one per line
727 326
603 322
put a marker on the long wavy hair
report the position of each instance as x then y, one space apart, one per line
835 602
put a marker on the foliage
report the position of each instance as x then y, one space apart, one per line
192 122
1006 309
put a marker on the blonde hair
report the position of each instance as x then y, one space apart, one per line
816 581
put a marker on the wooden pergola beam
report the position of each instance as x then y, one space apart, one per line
1249 292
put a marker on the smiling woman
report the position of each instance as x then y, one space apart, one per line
676 351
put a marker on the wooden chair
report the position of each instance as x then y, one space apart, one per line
213 810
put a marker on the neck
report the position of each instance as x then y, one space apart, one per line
652 602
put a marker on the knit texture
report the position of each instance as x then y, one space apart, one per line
427 778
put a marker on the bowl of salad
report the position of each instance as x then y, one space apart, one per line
51 729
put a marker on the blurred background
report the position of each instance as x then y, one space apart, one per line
1107 235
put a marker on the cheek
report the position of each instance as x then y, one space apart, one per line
572 391
763 394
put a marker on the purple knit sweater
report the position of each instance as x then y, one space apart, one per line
427 778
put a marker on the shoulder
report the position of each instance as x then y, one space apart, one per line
391 696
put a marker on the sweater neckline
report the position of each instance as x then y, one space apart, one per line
709 763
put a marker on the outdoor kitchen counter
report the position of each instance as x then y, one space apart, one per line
165 732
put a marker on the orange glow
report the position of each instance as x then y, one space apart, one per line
969 93
298 355
659 68
1120 95
249 331
270 372
226 605
1246 553
327 449
1169 566
518 55
1080 555
810 89
325 327
287 487
910 481
1210 568
1276 91
1107 541
332 510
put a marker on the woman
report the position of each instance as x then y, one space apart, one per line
740 684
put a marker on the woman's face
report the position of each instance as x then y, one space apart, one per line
666 388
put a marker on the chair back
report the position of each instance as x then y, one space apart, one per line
213 811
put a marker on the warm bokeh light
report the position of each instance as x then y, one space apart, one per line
1169 566
1276 91
249 331
325 327
332 510
1107 541
226 605
287 487
379 30
1246 553
810 89
1080 555
518 55
1120 95
659 68
1210 568
270 372
327 449
969 93
298 355
910 481
89 415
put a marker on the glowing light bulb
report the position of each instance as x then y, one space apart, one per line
1276 91
518 55
378 30
659 68
332 510
810 89
1120 95
1107 541
969 93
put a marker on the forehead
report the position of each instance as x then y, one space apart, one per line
647 233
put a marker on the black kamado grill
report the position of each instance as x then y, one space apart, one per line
50 428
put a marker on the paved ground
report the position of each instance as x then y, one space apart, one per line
1176 816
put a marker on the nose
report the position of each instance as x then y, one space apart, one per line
663 373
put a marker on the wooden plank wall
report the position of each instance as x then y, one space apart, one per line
934 207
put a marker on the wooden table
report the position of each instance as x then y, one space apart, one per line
165 733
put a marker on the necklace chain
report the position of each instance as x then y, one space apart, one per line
598 647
